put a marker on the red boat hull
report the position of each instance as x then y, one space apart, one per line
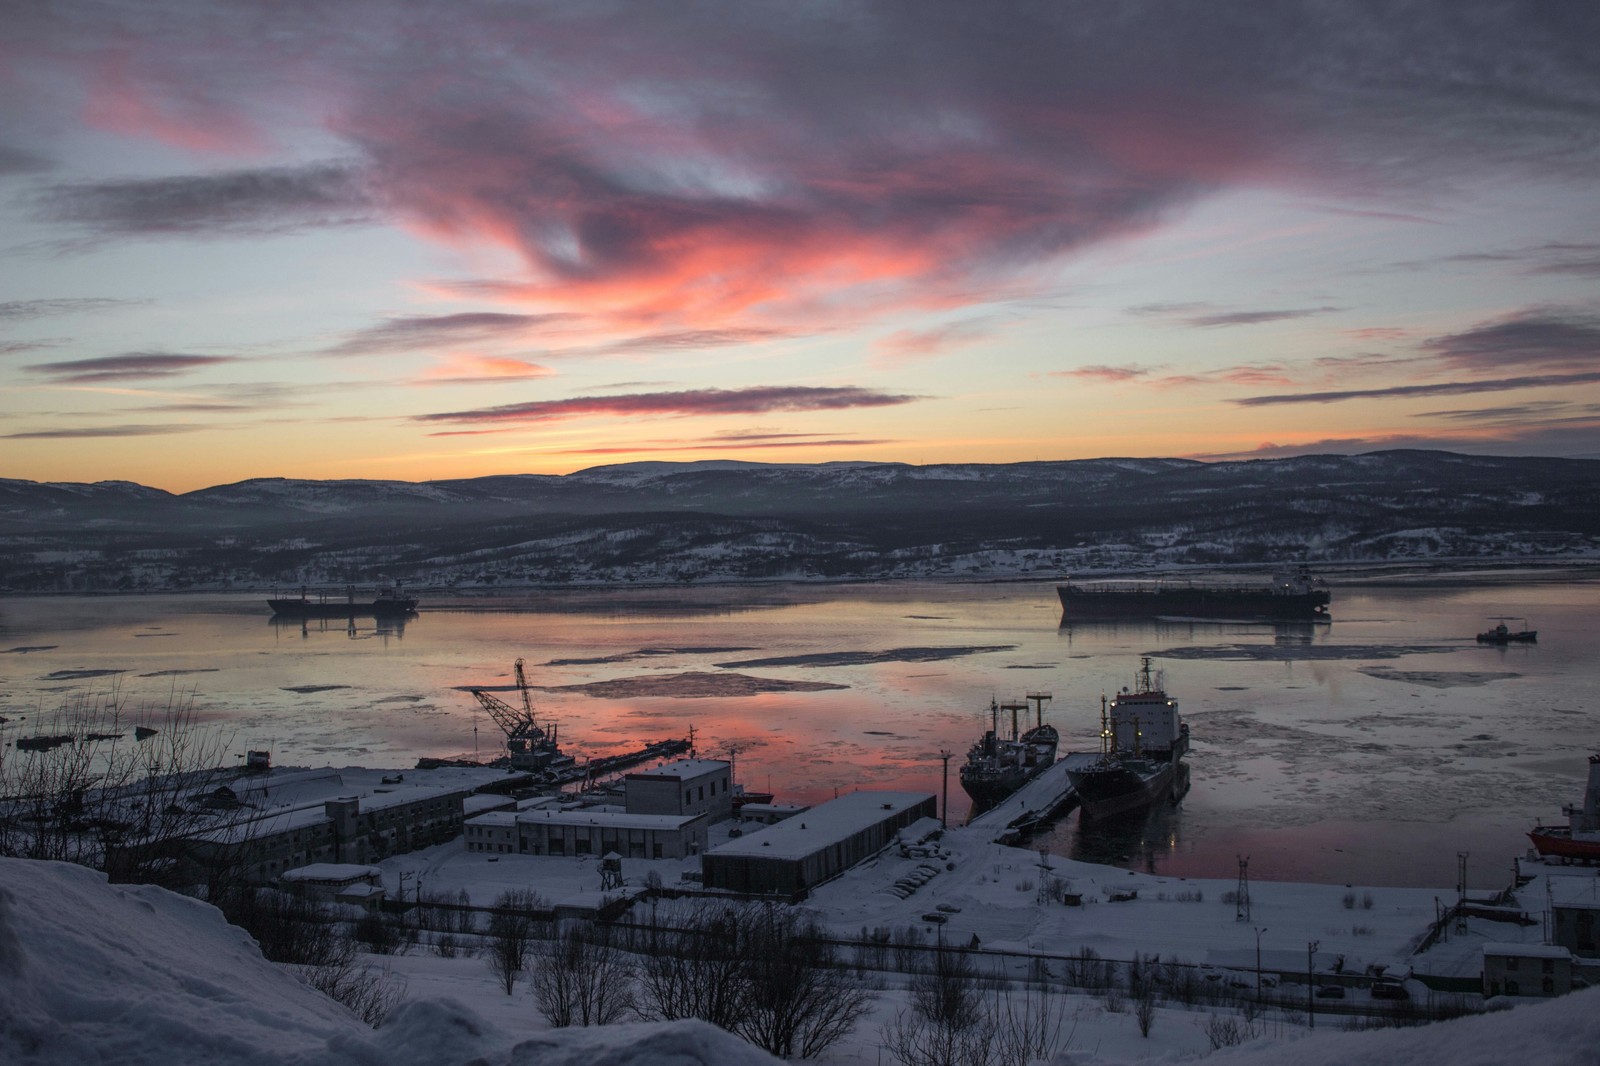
1558 841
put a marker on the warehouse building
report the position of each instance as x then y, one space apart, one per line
797 854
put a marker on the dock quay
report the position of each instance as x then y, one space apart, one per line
1046 797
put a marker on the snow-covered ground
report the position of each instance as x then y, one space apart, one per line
92 973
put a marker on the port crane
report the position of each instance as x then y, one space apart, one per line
527 744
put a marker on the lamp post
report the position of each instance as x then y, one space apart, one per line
944 814
1311 1002
1259 930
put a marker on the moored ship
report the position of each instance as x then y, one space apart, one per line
997 766
1580 837
388 601
1293 596
1143 741
1504 634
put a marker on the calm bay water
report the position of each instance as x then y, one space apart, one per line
1370 750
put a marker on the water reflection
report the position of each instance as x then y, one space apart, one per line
1144 838
354 626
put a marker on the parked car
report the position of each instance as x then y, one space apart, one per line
1389 988
1330 992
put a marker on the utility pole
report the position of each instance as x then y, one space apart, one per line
1241 903
1259 930
944 813
1311 1000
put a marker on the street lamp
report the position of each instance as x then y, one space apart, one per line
1259 930
1311 1003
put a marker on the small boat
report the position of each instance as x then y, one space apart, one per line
388 602
1504 634
1580 837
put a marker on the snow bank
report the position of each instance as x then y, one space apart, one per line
92 973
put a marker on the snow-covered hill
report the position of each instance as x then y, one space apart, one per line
732 521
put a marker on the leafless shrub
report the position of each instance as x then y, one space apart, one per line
1225 1030
370 993
1144 1007
578 979
1366 901
1349 901
1028 1026
801 1002
907 941
694 968
946 1024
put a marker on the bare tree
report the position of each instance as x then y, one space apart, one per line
1028 1024
84 791
802 1000
947 1023
694 967
511 926
579 979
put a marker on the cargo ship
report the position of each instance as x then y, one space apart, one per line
1580 837
388 601
997 766
1292 596
1143 740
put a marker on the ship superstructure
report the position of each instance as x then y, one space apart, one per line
998 765
1143 740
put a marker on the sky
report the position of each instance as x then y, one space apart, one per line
451 238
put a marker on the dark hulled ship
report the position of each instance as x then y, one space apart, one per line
997 765
388 602
1142 744
1295 596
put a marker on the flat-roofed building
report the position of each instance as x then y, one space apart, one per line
1526 970
797 854
1575 925
687 786
591 832
327 882
493 831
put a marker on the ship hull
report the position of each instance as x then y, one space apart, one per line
323 609
1123 788
1558 841
1088 602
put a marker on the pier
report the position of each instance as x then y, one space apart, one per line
1045 798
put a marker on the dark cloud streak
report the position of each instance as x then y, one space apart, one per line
756 400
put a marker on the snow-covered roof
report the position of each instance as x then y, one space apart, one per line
613 819
823 825
480 802
331 871
495 819
683 768
1527 951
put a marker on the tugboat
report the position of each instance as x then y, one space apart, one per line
1580 837
1504 634
1142 744
997 766
389 602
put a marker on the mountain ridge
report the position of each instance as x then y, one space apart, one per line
719 520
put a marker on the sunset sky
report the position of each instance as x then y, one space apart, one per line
447 238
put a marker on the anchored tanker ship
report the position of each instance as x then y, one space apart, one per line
1142 744
1295 596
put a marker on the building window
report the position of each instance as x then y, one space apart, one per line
1511 964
